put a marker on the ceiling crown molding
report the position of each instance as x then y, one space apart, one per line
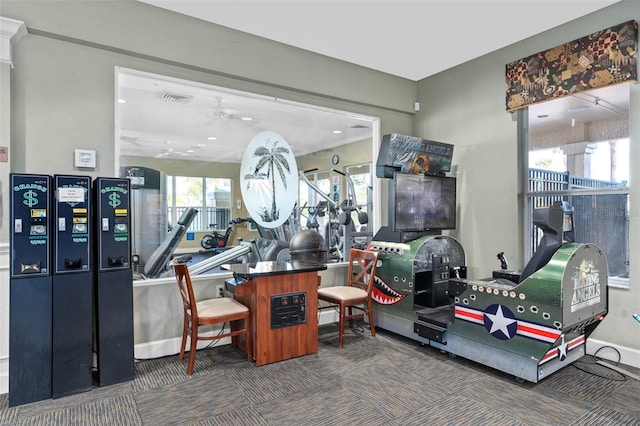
11 31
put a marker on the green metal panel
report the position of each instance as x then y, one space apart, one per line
401 264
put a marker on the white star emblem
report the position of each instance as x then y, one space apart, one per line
499 322
562 350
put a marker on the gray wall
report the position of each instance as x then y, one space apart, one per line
465 106
64 74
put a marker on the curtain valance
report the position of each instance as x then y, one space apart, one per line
600 59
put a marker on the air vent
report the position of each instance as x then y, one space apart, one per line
176 99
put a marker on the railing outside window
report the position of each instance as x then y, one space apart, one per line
218 216
601 212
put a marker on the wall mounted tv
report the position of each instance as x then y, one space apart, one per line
423 202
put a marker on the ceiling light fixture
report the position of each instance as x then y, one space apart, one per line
122 101
337 132
212 138
246 119
578 108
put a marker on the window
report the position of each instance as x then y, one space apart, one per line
210 196
362 183
578 151
313 207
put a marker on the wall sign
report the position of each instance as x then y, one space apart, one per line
85 158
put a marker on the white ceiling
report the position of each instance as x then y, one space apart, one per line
209 125
411 39
385 35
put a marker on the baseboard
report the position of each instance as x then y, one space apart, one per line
4 376
167 347
4 318
613 352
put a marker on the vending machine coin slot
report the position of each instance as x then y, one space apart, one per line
115 261
33 268
73 263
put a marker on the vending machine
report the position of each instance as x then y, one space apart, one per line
72 286
30 287
113 282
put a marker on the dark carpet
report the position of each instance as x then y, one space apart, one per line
386 380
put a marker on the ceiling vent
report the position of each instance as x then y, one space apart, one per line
176 99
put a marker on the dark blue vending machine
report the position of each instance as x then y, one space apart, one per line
113 283
72 286
30 289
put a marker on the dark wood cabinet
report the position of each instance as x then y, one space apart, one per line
284 309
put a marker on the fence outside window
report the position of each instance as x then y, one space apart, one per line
218 216
601 212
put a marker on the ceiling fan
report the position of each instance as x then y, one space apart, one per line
150 146
220 113
170 152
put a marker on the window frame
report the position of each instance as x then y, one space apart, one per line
172 207
522 118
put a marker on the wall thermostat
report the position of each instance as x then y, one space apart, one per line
85 158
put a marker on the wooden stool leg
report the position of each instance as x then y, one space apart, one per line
341 325
248 339
185 331
194 346
370 315
350 317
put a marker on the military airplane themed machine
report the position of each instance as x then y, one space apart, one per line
528 324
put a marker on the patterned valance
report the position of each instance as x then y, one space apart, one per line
600 59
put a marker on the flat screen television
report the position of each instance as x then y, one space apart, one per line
423 202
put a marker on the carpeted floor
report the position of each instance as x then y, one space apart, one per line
386 380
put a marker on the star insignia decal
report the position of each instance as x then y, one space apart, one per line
500 322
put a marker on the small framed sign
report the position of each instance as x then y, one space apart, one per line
85 158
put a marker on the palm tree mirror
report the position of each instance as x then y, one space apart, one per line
269 179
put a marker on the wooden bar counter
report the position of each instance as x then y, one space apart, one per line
283 300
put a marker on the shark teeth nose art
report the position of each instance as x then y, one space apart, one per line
384 294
